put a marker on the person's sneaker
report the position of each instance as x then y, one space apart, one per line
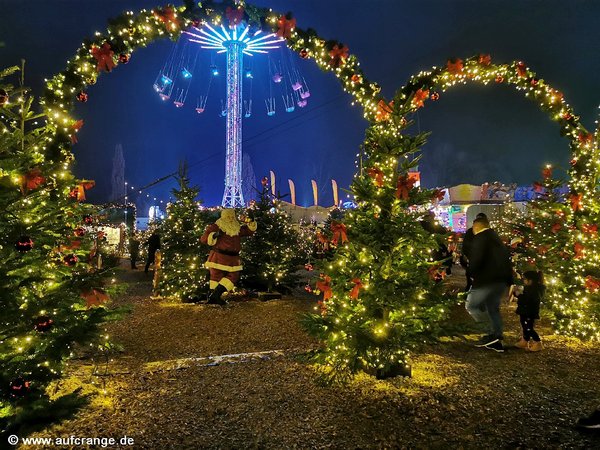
523 344
496 346
486 340
591 422
536 346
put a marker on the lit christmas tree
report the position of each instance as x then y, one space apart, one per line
183 274
50 295
273 254
379 294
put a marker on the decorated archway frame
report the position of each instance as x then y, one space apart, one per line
130 31
575 284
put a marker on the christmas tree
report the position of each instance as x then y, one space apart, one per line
379 297
50 295
272 255
558 236
183 274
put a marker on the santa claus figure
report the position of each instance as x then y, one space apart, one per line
224 236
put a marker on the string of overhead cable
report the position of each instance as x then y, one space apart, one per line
245 141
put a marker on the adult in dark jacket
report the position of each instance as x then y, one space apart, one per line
491 270
467 245
153 246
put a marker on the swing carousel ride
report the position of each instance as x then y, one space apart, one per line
240 44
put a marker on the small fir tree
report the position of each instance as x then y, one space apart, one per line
50 295
183 274
273 254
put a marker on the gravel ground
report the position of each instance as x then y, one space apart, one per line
459 396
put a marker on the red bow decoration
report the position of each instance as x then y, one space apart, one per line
521 69
438 195
579 248
547 173
537 187
73 244
32 180
485 60
78 193
104 57
576 202
167 16
339 232
420 96
357 286
403 186
377 174
592 284
556 227
383 110
76 127
323 286
338 55
435 274
589 228
234 15
585 138
322 239
95 297
285 27
455 66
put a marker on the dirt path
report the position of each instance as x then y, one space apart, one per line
459 396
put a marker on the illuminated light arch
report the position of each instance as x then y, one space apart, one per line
129 32
580 291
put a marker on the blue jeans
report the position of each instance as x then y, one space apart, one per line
483 303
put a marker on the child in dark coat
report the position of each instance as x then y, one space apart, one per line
528 308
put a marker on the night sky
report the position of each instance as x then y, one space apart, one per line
479 133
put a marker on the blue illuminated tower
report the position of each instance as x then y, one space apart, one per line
236 43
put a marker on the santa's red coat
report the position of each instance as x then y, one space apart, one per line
225 252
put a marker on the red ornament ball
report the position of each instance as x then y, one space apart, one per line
70 260
499 79
435 96
19 387
534 81
309 267
303 53
308 289
24 244
264 181
124 58
196 23
79 231
82 97
88 220
3 97
43 323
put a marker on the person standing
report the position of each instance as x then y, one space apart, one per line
153 246
134 250
528 309
492 273
466 252
224 263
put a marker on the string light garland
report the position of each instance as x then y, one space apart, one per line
397 312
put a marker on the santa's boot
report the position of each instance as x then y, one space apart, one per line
215 296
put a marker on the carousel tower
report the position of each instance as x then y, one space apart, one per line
236 43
